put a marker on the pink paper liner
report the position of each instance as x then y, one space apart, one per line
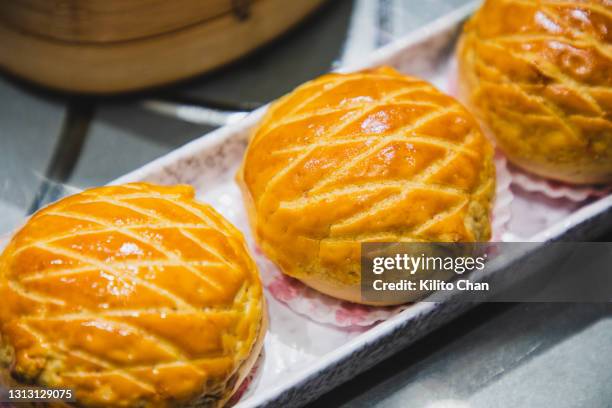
452 80
246 387
321 308
502 211
554 189
327 310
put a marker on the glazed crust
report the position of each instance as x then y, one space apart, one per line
539 76
364 157
134 296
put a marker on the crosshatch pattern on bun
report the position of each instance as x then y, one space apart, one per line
372 156
134 296
539 76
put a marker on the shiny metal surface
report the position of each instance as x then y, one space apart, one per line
497 356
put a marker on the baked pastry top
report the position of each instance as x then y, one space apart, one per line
132 295
538 73
372 156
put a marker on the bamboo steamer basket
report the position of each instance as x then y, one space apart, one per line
110 46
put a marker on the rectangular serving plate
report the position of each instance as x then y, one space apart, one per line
303 359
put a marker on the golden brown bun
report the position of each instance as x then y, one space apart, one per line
365 157
134 296
539 76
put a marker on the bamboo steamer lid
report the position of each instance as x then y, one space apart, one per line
109 46
102 21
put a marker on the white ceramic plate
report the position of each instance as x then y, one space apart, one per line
304 359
